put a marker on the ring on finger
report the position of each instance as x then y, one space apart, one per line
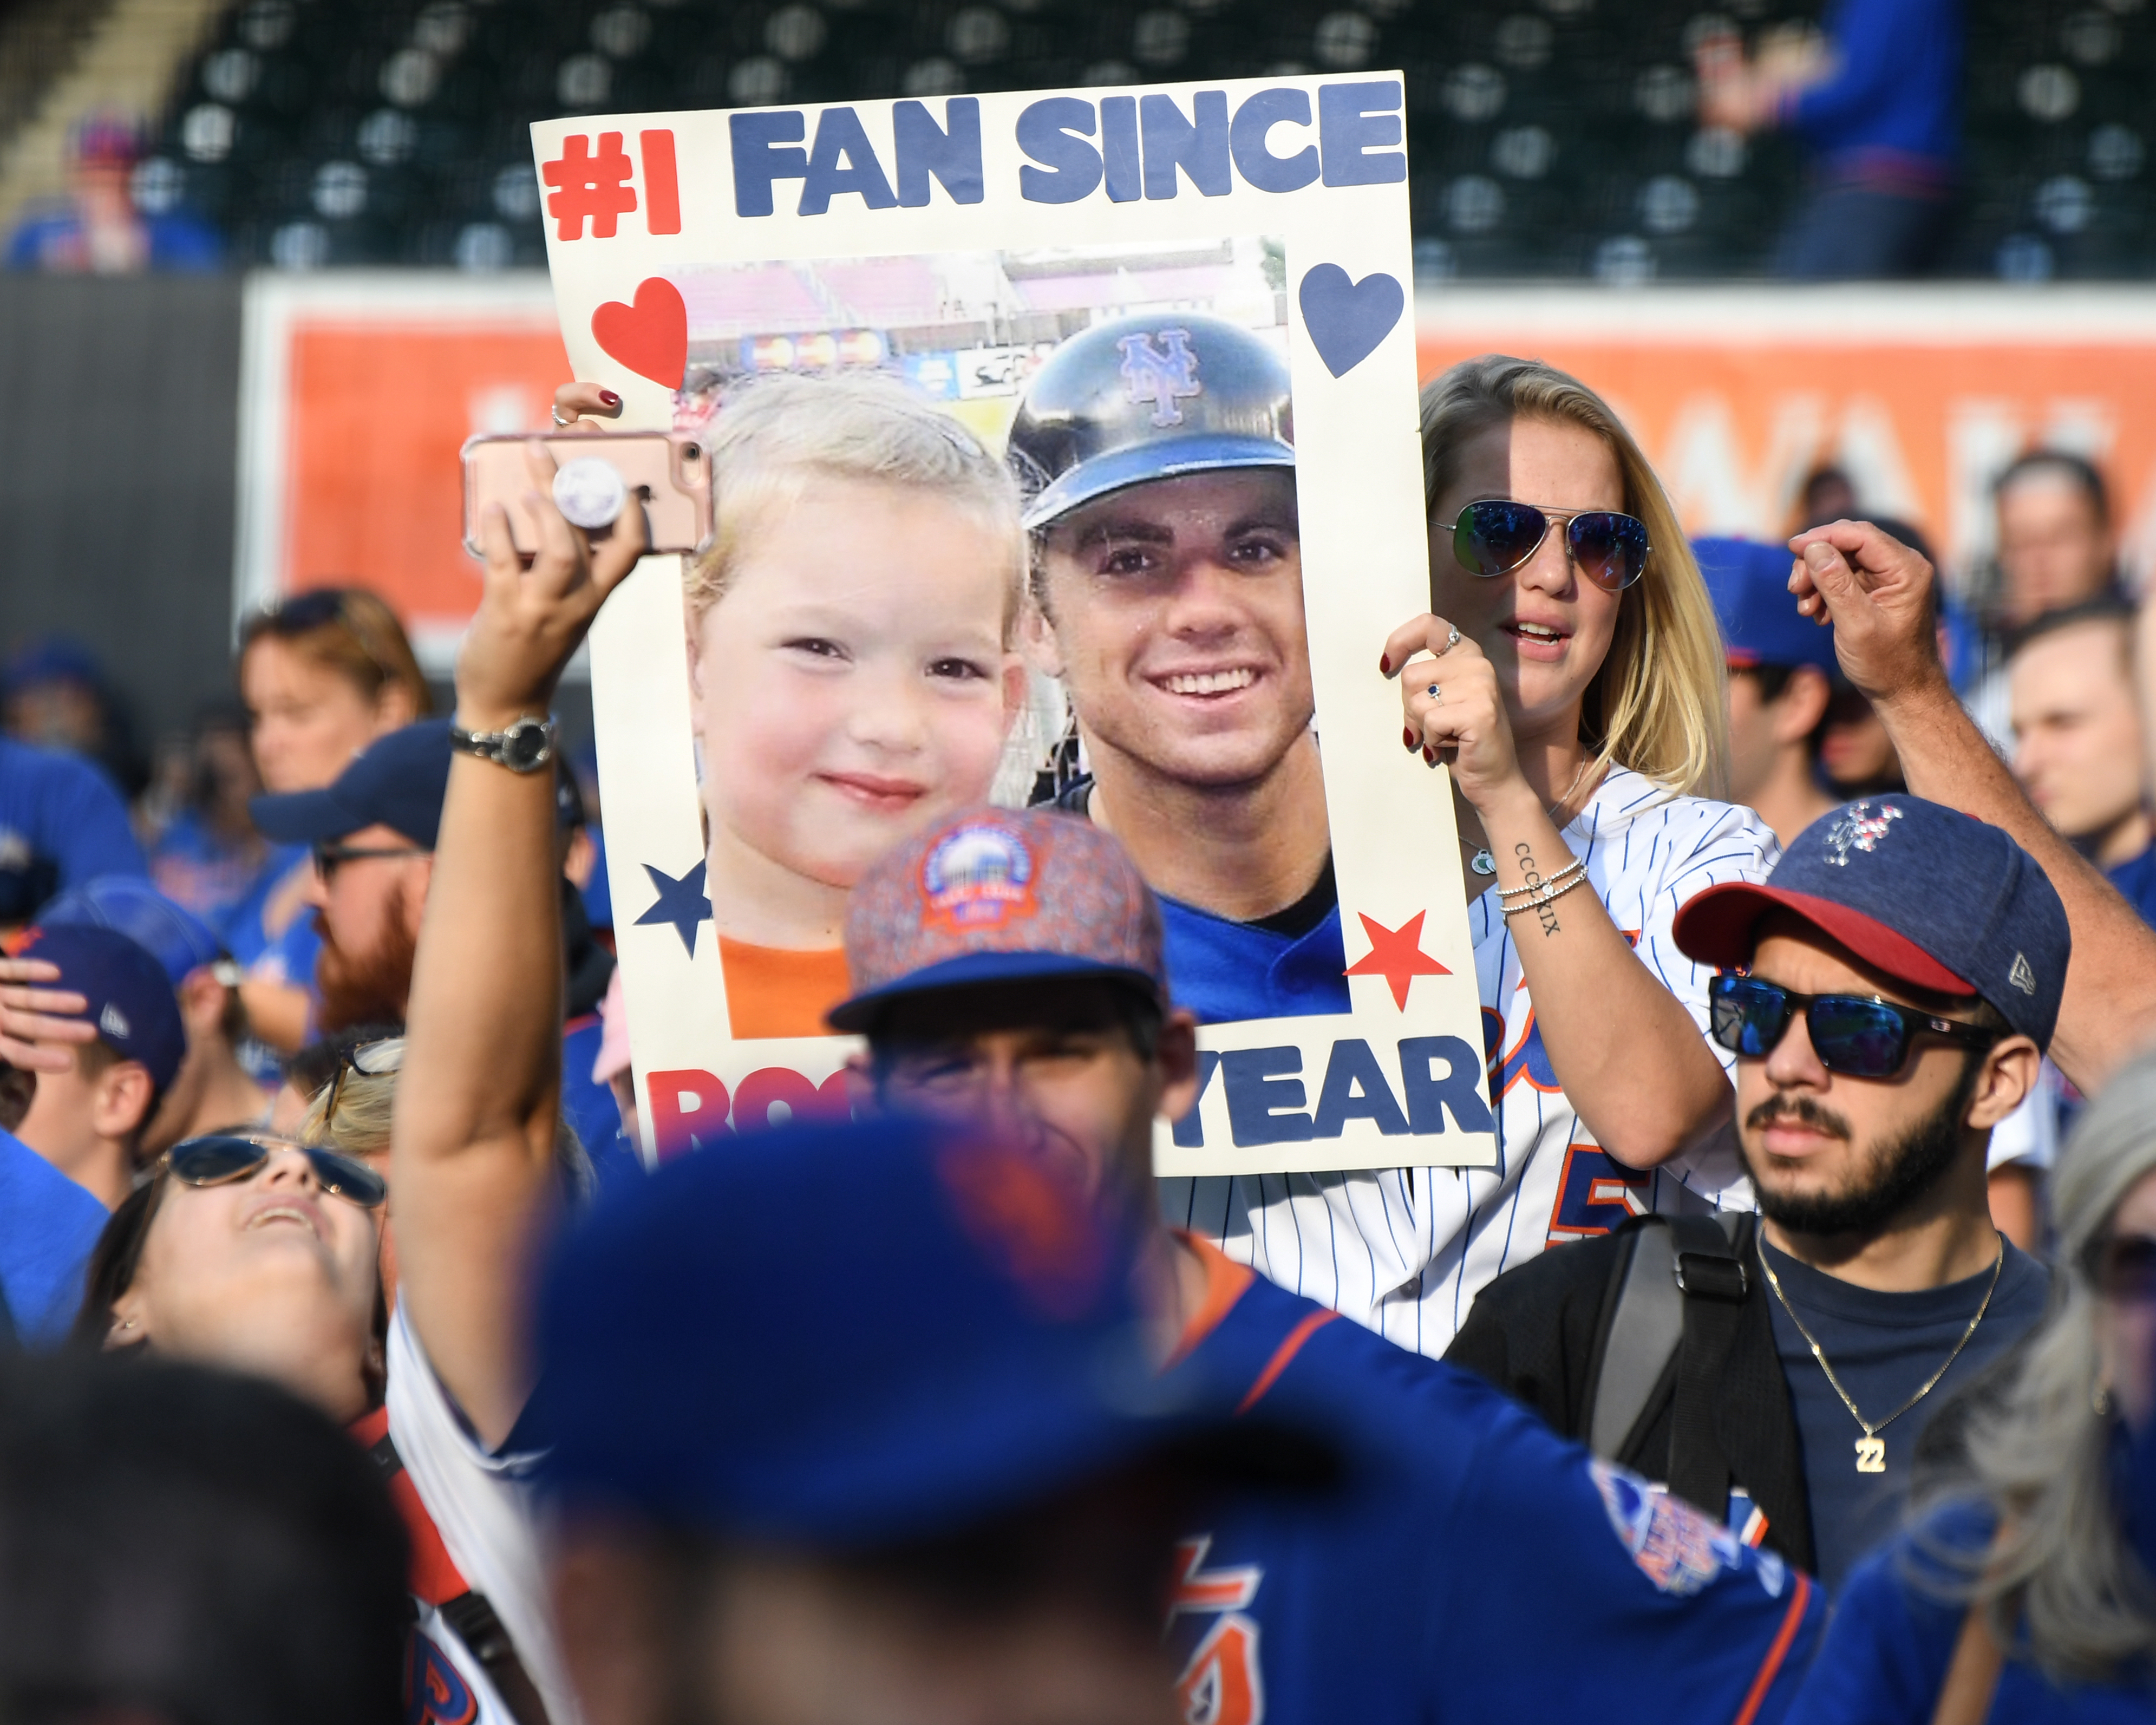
1452 640
1437 694
564 424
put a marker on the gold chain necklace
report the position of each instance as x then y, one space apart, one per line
1871 1448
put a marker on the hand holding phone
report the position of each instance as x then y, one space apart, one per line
668 475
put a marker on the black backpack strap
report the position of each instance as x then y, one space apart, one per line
1713 1283
477 1624
1639 1342
473 1617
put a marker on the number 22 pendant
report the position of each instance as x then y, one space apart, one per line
1870 1454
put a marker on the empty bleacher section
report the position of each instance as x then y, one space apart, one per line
1554 138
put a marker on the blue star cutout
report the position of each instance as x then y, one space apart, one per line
680 902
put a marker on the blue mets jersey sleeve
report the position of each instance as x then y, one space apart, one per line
1470 1566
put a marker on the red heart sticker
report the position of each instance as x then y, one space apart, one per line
650 337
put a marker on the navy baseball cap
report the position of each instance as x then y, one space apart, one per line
998 896
1760 623
955 1337
130 999
174 936
1926 895
397 781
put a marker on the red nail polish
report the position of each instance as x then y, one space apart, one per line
1406 739
1429 759
1385 663
609 397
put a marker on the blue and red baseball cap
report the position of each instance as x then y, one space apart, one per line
955 1337
174 936
1761 625
1923 894
130 999
1000 895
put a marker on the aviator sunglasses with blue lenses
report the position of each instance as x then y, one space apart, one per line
1495 537
1857 1035
221 1157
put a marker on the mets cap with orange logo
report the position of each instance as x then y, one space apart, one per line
1000 895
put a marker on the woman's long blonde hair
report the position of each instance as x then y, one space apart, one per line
2061 1580
1660 703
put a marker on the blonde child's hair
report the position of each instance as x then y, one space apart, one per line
1660 703
776 439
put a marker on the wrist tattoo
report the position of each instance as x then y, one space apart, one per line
1532 877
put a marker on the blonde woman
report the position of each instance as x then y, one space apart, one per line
1571 675
2031 1551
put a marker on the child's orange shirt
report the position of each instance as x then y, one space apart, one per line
772 991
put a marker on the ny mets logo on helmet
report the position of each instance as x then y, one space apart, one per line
1861 827
1162 377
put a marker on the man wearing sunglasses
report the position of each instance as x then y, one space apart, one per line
1157 459
373 833
1888 992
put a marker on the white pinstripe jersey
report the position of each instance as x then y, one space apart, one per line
1405 1250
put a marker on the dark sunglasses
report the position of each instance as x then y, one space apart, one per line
1495 537
1857 1035
330 858
370 1060
2122 1266
222 1158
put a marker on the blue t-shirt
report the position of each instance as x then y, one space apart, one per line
1896 91
48 1226
1470 1566
2136 881
1885 1658
1883 1347
62 822
1223 971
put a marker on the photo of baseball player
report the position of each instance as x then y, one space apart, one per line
1157 453
932 471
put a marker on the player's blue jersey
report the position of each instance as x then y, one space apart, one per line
1471 1565
1222 970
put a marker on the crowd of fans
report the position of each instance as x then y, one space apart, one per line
314 1070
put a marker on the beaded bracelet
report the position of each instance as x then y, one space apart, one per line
1549 896
1562 876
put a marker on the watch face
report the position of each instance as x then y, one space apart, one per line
525 745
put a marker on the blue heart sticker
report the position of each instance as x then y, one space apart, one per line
1348 319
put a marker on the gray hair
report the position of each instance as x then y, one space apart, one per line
2060 1579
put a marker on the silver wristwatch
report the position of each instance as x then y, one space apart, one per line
526 746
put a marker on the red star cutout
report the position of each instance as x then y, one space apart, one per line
1396 954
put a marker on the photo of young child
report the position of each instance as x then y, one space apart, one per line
852 669
854 633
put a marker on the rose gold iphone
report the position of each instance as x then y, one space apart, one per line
668 473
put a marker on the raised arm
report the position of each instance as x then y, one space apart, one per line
1655 1089
1878 593
472 1164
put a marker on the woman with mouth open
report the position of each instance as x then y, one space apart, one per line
1570 675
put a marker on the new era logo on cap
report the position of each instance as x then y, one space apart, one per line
114 1023
2021 975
